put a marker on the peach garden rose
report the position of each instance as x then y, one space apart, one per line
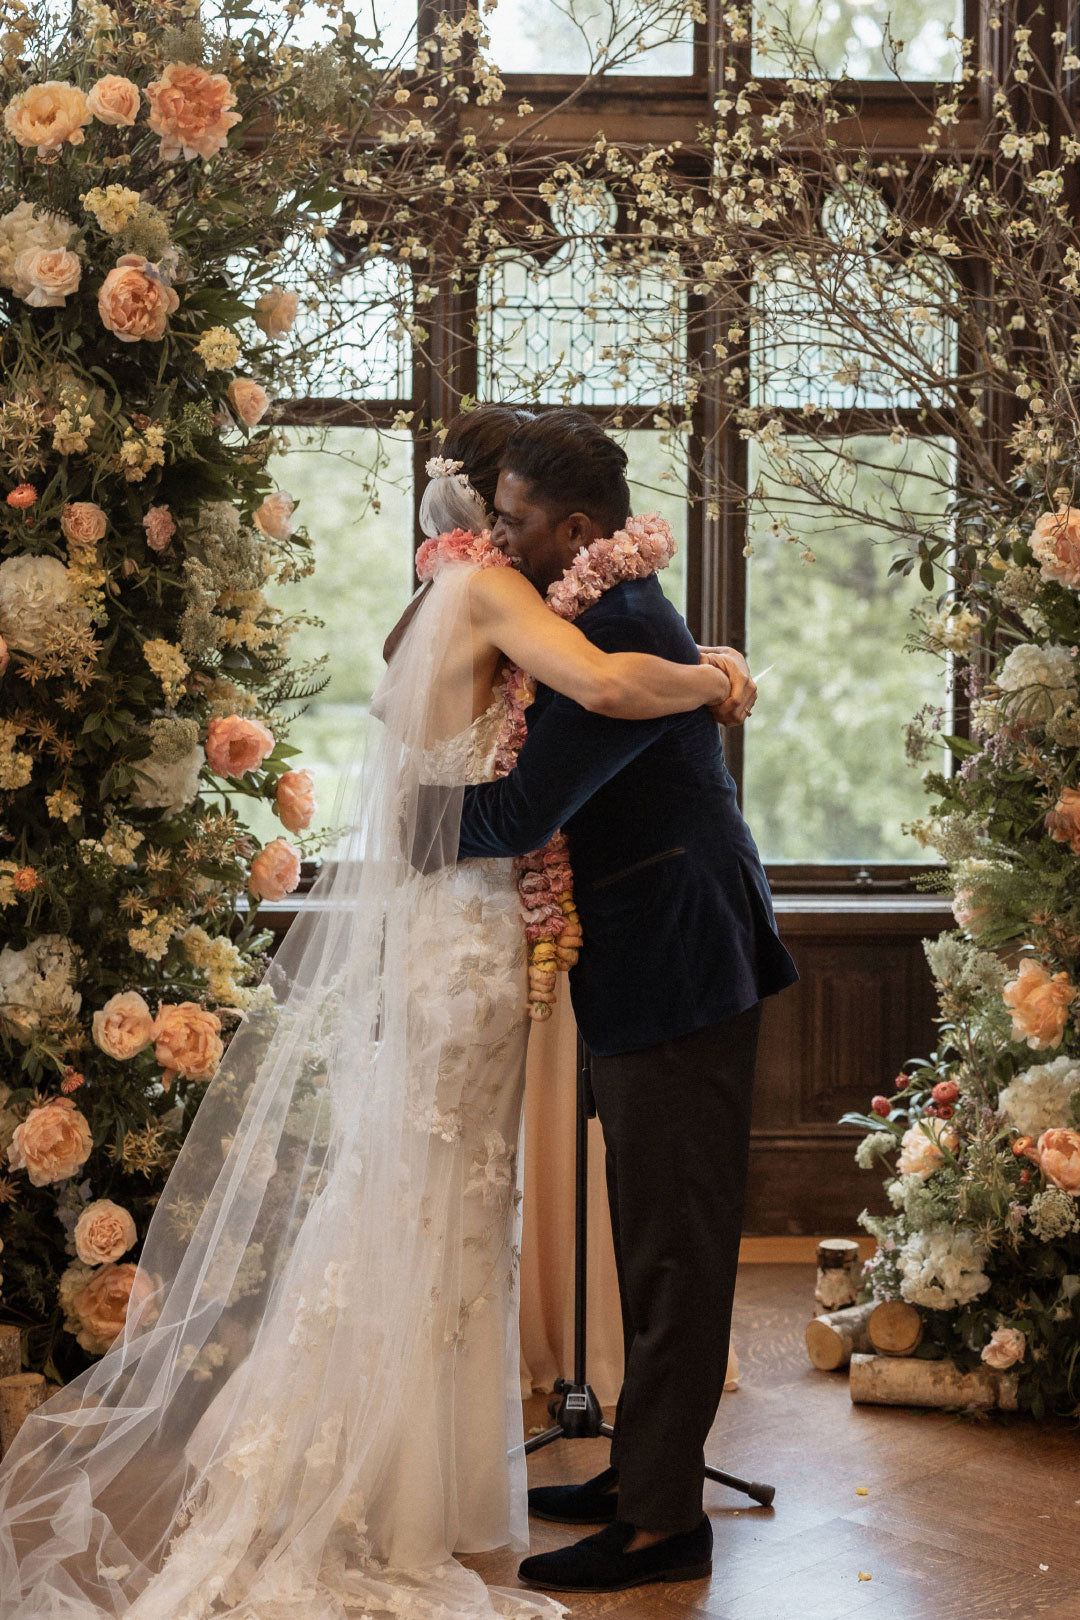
1039 1002
1063 821
124 1026
100 1306
51 275
1059 1159
275 871
1005 1348
920 1154
114 100
135 302
275 311
248 400
296 799
191 110
83 523
235 745
274 516
103 1232
1055 542
160 527
186 1041
51 1143
46 115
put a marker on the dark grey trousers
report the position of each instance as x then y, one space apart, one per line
676 1122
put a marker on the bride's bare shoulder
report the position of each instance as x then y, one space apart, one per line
500 588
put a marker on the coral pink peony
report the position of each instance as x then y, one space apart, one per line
191 110
1039 1002
186 1041
1006 1346
160 527
101 1306
124 1026
275 871
135 301
103 1232
114 100
248 400
83 523
296 800
1055 541
275 311
1059 1159
274 516
235 745
1063 821
52 1142
46 115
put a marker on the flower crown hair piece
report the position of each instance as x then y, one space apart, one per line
442 467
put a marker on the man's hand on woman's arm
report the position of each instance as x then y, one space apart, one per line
733 710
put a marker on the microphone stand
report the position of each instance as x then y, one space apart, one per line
575 1408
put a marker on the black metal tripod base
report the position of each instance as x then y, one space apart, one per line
578 1416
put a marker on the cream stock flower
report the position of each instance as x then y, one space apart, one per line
275 871
112 206
83 523
124 1026
114 100
1039 1002
295 799
186 1041
50 274
218 348
248 400
274 516
275 312
135 302
46 115
52 1142
235 745
191 110
103 1232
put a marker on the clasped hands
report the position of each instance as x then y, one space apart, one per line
733 710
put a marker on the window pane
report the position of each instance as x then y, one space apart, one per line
394 21
363 350
573 331
354 489
826 778
657 479
581 36
848 37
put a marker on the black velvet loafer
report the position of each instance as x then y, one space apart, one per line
592 1503
601 1563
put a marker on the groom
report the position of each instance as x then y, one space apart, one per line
680 947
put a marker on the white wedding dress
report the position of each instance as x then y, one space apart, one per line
317 1403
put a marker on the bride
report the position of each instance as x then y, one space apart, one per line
314 1403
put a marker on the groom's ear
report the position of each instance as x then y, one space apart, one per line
579 530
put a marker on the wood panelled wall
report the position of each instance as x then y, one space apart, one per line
864 1005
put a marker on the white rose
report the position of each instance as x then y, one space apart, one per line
1043 678
22 230
51 274
34 592
168 785
941 1268
1005 1348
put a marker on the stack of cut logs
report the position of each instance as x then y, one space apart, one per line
877 1344
20 1392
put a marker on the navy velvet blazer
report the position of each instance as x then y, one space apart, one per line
674 904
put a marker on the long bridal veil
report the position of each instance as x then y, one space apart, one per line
237 1451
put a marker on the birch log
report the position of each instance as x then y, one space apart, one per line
20 1394
831 1340
911 1381
894 1328
10 1350
838 1274
731 1377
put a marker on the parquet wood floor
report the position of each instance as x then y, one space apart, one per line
960 1516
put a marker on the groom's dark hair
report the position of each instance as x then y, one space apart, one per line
571 466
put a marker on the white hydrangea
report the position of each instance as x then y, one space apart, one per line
34 592
166 784
1037 1099
22 229
941 1268
1044 678
38 980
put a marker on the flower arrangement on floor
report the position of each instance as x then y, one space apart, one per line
153 180
982 1140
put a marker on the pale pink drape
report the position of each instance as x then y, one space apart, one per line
547 1248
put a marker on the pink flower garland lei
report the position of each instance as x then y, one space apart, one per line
544 877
